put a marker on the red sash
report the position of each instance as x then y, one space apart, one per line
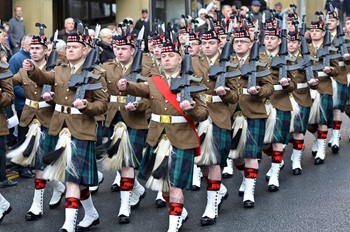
166 92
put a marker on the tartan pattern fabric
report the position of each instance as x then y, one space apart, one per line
255 138
47 144
99 133
149 152
137 140
301 120
342 97
282 127
326 113
84 160
222 143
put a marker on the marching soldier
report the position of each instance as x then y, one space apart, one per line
74 111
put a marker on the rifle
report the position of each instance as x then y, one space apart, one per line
250 69
183 84
305 63
81 81
280 61
51 62
262 33
136 67
219 72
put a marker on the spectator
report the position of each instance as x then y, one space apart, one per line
255 13
243 11
112 27
16 30
226 11
144 21
68 28
278 7
201 17
6 27
61 52
5 50
106 45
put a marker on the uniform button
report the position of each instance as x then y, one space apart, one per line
239 85
66 98
35 92
67 90
166 101
109 81
56 84
36 86
165 109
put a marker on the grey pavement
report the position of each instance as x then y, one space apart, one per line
317 200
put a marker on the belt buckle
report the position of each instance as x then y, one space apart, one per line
34 104
165 119
121 99
65 109
240 91
209 98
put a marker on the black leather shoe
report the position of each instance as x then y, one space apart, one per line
31 216
226 175
94 223
248 204
240 193
195 188
4 214
319 161
207 221
138 203
335 149
26 173
273 188
7 183
297 171
62 230
160 203
314 153
124 219
115 188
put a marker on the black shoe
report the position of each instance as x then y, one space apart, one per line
7 183
4 214
138 203
95 190
248 204
297 171
273 188
335 149
26 173
226 175
31 216
62 230
240 193
207 221
94 223
160 203
314 153
195 188
115 188
319 161
124 219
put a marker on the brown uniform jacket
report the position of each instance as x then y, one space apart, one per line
137 119
32 92
219 112
253 106
181 135
344 66
280 98
82 126
6 98
150 66
325 83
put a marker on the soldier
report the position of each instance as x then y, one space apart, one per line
171 133
72 113
217 126
36 115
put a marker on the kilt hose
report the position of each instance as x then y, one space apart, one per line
47 144
180 169
301 120
254 138
282 127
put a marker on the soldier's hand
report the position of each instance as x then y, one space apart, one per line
254 90
221 91
131 106
28 65
48 96
346 56
313 82
186 106
80 104
284 81
327 69
122 85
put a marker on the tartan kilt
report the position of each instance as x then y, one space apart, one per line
301 120
181 166
47 144
84 160
282 127
99 133
326 118
255 138
137 139
342 97
222 143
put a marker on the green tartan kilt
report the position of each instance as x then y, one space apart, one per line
84 160
138 141
342 97
254 138
181 166
282 127
222 143
47 144
301 120
326 113
99 133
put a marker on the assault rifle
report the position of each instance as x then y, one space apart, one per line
51 62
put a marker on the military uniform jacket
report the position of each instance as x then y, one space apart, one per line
150 66
219 112
6 98
82 126
280 98
33 92
253 106
344 66
181 135
325 83
137 119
